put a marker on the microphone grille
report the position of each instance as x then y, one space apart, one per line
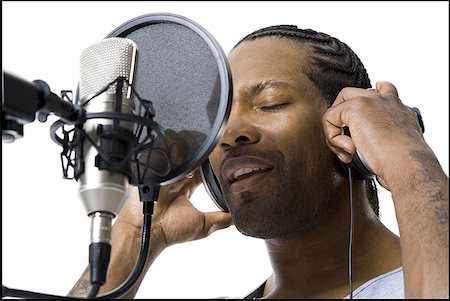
105 61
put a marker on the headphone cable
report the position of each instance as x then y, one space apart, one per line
350 240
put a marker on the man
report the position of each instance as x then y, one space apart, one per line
293 93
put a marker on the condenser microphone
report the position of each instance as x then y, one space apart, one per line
106 75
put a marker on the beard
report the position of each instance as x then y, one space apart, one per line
291 205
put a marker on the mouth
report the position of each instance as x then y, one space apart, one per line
245 172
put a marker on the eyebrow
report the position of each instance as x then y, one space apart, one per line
257 88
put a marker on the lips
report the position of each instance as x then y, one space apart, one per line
244 172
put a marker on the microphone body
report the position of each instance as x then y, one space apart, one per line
103 189
106 73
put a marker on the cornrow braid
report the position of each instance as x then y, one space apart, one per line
331 66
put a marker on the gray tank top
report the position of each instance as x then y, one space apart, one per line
387 286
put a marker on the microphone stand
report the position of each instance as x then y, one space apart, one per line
22 101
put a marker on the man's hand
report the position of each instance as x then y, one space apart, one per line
390 139
382 128
175 219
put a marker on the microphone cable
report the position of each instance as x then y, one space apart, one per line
121 291
93 291
143 253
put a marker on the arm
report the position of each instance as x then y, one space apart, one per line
421 202
175 220
386 133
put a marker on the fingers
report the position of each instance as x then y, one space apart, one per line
183 187
384 87
351 93
216 221
338 117
351 109
193 180
341 145
177 147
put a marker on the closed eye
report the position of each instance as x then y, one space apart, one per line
273 108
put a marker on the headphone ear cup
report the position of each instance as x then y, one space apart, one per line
212 185
360 170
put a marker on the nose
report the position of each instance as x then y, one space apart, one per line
240 129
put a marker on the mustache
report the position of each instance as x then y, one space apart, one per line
273 155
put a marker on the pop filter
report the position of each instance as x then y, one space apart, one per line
184 73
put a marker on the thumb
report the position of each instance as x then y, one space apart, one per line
216 220
384 87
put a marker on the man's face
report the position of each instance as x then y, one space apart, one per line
272 162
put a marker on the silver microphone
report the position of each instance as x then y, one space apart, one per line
102 191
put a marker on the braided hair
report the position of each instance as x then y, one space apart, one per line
331 66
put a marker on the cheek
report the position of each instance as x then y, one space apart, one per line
303 143
295 134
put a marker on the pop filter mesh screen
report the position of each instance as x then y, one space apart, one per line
178 71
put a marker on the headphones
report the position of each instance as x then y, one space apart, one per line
358 166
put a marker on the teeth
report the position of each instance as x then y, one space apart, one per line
243 171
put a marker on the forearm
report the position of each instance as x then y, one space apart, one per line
421 203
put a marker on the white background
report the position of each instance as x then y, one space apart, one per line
45 230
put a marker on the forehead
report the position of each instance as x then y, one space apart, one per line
269 58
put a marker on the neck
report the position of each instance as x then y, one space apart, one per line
313 262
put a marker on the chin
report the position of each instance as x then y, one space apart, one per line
267 218
269 222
